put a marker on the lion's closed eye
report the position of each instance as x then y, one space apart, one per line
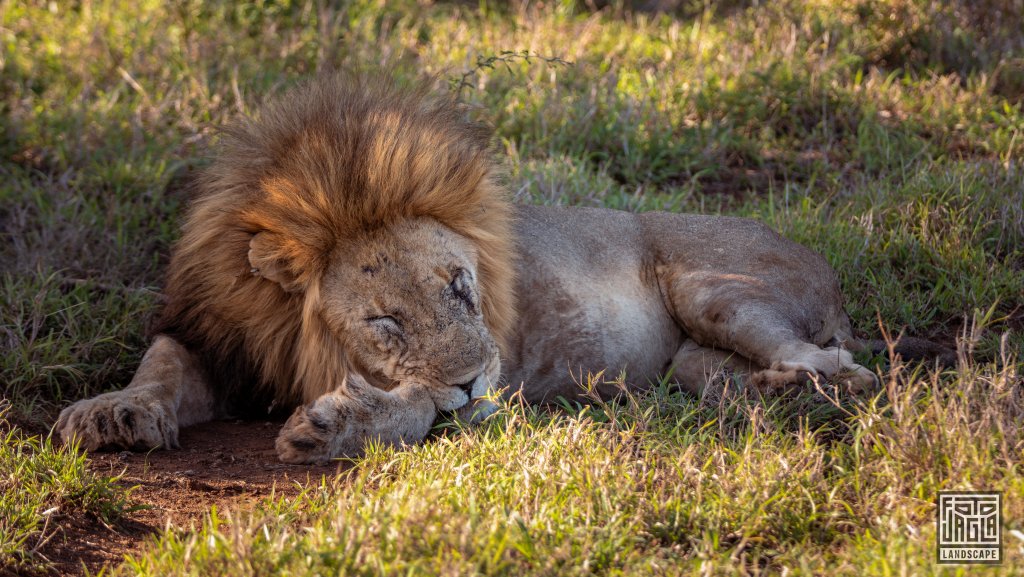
387 325
463 289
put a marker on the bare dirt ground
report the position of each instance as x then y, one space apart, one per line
229 464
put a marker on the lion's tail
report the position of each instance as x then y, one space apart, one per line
909 348
914 349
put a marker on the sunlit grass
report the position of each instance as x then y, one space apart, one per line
656 484
885 134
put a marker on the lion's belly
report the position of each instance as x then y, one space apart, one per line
585 307
586 331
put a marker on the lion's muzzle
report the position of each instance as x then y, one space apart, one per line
467 387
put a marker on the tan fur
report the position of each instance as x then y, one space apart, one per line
322 167
292 268
351 254
167 392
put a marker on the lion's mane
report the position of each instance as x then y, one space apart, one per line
328 161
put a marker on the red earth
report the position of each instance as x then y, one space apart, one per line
229 464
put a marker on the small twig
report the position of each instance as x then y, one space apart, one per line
43 537
506 57
833 399
133 83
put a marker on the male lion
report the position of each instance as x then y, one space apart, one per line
352 254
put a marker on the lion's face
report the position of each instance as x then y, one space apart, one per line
406 303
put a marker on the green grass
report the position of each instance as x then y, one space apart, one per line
660 484
886 134
42 486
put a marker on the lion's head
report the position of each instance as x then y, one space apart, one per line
352 226
404 301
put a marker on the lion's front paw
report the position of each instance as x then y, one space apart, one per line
476 410
306 437
125 419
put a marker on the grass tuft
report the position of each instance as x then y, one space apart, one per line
42 485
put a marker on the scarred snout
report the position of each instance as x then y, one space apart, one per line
466 393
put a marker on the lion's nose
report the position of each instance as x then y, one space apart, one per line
467 386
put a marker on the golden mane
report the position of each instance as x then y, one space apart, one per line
325 162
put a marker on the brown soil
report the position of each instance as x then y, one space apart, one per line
229 464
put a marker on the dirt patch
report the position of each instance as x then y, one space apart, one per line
229 464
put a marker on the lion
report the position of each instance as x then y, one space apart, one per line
352 255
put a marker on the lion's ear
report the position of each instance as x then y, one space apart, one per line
273 258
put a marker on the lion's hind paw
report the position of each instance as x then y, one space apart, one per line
779 381
855 379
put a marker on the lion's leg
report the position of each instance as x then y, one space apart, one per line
340 423
701 370
169 390
765 325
